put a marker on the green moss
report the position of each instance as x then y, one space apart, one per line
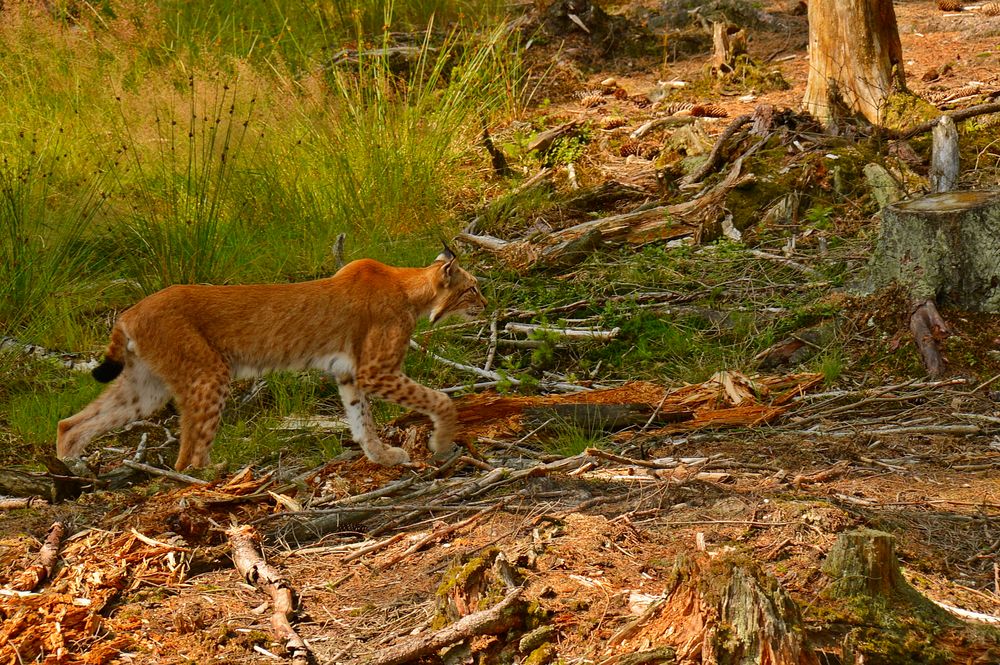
904 109
543 655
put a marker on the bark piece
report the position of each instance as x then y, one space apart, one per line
928 330
42 569
855 59
253 568
943 247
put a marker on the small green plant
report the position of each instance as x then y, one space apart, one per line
819 216
568 439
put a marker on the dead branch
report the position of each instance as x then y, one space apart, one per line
172 475
566 333
253 568
956 116
715 157
16 503
374 547
928 330
438 534
498 619
42 569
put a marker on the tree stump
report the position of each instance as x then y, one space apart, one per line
943 247
855 59
724 610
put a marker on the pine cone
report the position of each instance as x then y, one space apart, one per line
950 5
613 122
590 98
991 9
708 111
674 108
630 147
620 94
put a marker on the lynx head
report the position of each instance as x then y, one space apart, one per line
456 291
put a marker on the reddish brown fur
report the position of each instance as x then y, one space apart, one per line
190 341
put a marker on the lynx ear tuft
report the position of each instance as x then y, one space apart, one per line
446 255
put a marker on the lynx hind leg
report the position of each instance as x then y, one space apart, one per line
399 388
135 394
359 415
201 403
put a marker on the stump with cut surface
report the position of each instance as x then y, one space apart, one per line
942 248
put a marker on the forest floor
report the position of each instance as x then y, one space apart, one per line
771 466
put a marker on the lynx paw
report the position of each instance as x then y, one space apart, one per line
390 457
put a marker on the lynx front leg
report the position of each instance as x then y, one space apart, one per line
406 392
135 394
359 415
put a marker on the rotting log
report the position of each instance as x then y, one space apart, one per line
42 569
942 248
251 565
855 59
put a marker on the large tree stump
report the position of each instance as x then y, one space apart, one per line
943 247
855 59
882 618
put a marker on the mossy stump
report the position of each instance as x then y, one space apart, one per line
891 622
863 563
943 247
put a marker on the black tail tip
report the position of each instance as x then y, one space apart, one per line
107 370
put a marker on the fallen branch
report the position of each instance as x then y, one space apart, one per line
172 475
568 333
42 569
438 534
253 568
17 502
494 376
956 116
498 619
715 157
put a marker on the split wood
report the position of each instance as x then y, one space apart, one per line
251 565
18 502
42 569
493 621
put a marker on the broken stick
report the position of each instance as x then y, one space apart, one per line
253 568
498 619
42 569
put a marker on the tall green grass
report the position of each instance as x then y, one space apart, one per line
44 259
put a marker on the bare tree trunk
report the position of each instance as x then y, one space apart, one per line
855 59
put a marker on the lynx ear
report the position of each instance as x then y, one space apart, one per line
447 255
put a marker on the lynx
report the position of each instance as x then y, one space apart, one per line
189 342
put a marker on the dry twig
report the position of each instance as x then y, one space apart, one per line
253 568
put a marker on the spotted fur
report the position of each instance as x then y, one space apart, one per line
189 342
